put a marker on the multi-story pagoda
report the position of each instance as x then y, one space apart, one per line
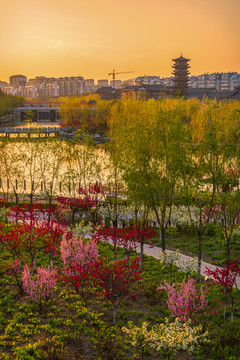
180 73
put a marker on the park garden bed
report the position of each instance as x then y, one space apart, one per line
60 329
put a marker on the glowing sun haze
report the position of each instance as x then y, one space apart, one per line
91 37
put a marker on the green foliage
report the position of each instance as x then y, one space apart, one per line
77 112
7 103
108 342
154 142
51 348
225 342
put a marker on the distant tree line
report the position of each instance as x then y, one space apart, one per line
8 102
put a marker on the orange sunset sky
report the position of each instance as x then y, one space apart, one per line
89 38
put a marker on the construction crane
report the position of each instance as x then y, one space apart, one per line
113 74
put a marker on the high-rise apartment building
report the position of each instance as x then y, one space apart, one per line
70 86
102 83
116 83
30 92
18 80
89 85
3 85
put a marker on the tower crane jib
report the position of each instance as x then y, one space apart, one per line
113 74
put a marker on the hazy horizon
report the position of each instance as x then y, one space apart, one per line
55 38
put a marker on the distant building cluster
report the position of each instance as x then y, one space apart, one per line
218 81
210 85
91 86
43 87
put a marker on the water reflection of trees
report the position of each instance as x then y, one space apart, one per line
45 169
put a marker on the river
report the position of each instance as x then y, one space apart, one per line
50 167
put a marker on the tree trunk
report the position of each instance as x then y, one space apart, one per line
73 215
228 240
31 199
162 239
49 210
86 304
114 315
142 247
16 196
199 256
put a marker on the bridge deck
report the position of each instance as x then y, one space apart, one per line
30 132
47 132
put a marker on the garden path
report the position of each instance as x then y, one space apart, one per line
153 251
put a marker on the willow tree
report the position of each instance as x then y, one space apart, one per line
7 103
87 113
148 135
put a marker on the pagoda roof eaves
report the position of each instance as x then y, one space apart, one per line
181 58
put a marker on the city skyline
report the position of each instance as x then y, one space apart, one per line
90 39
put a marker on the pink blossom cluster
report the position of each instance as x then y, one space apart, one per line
78 256
76 251
185 300
39 287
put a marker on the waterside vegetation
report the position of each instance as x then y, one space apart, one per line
72 214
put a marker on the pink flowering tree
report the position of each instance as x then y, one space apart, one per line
185 300
77 256
40 287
